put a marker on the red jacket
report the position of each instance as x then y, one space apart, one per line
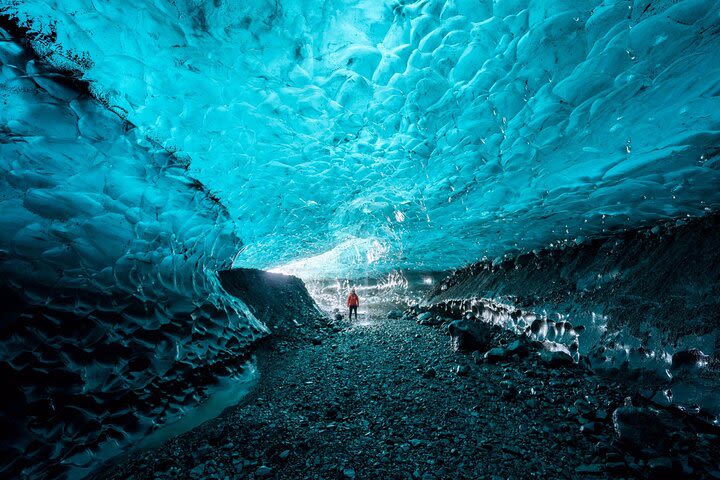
353 300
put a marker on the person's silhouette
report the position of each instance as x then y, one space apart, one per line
353 302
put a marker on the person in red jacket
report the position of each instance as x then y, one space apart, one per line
353 302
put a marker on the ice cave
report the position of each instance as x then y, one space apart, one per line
523 195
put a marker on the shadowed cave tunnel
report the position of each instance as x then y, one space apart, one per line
190 189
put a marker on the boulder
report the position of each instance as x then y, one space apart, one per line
429 319
556 358
519 347
643 429
394 314
468 335
687 359
424 317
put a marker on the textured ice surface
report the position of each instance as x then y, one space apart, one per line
113 318
332 137
441 130
645 299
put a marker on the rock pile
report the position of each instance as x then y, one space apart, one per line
632 437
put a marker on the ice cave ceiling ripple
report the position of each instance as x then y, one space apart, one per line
415 134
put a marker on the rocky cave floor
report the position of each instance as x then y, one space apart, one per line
388 398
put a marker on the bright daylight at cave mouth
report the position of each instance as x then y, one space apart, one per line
360 239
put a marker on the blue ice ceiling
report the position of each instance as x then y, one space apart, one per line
412 134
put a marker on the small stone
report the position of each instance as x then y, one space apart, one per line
507 394
332 412
263 471
661 464
348 473
507 384
462 370
495 354
590 428
451 413
615 467
593 469
284 454
613 457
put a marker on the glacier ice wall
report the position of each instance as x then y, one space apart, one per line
113 315
644 303
327 136
482 126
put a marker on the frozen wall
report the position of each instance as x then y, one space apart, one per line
335 136
441 130
644 302
113 318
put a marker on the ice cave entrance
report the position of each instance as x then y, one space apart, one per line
354 264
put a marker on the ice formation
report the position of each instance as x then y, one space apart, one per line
147 144
642 302
481 126
113 315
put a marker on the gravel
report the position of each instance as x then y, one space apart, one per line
392 400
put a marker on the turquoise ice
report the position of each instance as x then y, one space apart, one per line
412 134
147 144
